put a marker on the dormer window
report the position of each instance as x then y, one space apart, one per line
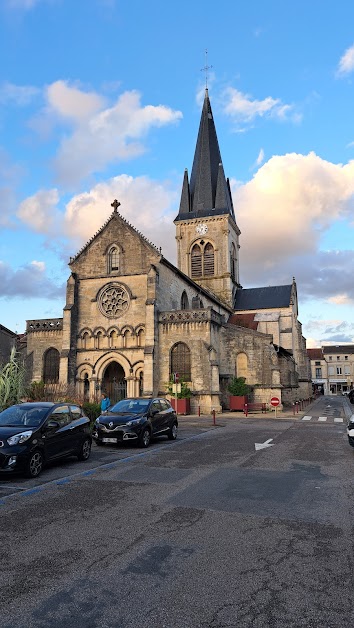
113 259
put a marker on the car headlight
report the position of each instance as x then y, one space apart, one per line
135 422
19 438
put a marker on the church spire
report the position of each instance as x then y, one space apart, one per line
209 192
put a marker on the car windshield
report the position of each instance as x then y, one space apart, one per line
131 406
22 416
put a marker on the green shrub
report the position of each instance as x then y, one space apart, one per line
92 410
238 387
11 381
185 393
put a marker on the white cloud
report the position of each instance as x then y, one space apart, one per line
346 62
148 205
29 281
39 212
105 136
243 108
71 102
19 94
259 160
283 211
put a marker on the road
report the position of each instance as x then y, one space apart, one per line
245 524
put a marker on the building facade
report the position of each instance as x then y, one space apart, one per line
132 318
332 369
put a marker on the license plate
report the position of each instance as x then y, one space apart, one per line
109 440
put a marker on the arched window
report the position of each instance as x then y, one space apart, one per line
113 259
208 260
141 383
184 301
233 261
86 387
85 340
99 340
113 339
202 260
141 338
181 361
51 366
242 365
196 261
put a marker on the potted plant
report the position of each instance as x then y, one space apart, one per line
183 397
239 392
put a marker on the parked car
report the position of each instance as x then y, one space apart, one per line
350 430
136 420
351 395
32 434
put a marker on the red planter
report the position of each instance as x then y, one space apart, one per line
183 405
238 403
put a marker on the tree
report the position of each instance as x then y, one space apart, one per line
238 387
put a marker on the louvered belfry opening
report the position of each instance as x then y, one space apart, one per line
181 361
51 366
196 261
209 260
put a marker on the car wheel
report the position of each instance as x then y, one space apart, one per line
85 450
172 433
34 464
145 437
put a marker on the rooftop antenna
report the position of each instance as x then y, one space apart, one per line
206 68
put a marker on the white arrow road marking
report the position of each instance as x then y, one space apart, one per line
264 445
328 406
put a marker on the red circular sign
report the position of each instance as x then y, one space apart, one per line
274 401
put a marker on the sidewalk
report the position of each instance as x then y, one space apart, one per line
206 420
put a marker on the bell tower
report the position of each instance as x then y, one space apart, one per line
206 231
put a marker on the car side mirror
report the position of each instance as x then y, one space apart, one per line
52 425
153 412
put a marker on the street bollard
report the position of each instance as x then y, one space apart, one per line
245 409
294 409
213 417
198 410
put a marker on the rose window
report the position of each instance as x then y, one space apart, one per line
113 301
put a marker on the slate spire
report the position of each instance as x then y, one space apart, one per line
208 192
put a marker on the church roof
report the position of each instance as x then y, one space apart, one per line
244 320
263 298
208 192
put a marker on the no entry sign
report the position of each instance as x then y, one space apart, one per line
274 401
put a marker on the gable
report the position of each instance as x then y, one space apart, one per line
134 252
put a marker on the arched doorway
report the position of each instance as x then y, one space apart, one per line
114 383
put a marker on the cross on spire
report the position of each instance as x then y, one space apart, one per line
206 68
115 204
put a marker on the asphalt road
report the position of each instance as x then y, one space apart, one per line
210 531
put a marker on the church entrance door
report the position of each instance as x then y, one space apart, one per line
114 383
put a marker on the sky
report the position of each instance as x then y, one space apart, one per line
101 99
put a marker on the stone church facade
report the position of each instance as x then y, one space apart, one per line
132 318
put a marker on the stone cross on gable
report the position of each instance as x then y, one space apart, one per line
115 204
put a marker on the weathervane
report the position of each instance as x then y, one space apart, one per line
206 68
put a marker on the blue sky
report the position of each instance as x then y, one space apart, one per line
101 99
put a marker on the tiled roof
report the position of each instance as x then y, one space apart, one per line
340 349
263 298
244 320
315 354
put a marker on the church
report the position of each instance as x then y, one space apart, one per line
132 319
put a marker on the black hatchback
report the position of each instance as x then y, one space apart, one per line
136 420
32 434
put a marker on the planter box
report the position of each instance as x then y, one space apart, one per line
183 405
238 403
